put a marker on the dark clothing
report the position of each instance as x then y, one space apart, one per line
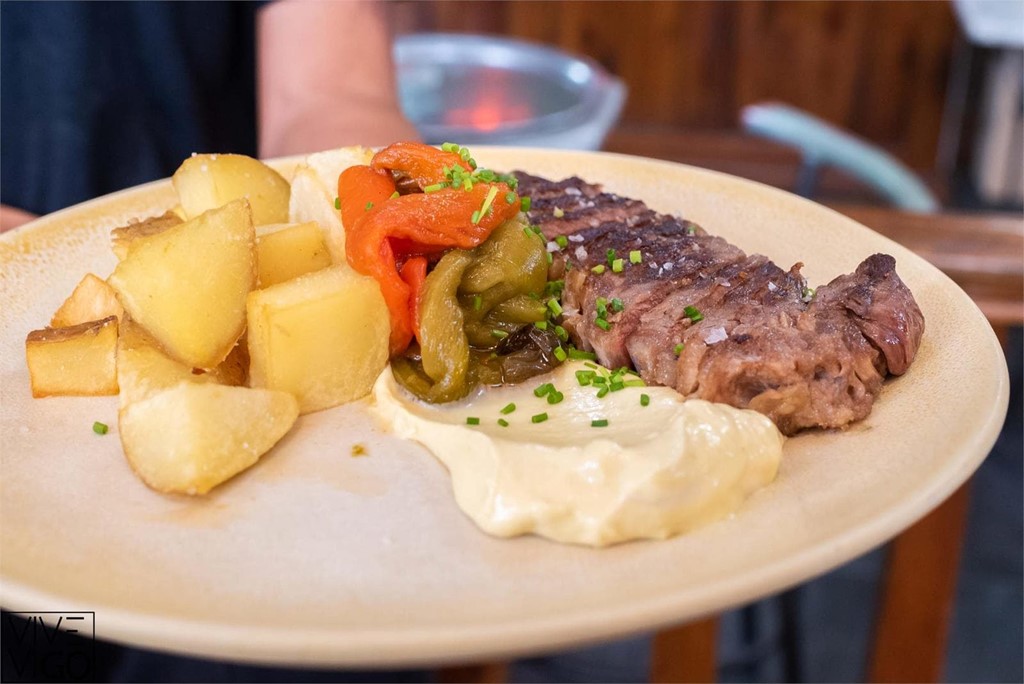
99 96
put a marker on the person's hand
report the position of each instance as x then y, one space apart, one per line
326 78
12 218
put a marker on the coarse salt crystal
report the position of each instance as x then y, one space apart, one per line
716 334
575 238
669 265
573 191
772 287
552 246
581 252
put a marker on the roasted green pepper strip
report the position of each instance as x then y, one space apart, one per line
477 312
444 348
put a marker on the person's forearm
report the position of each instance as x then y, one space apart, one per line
325 77
12 218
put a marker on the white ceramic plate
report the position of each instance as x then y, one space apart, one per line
316 557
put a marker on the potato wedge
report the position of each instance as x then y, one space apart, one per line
207 181
80 360
322 337
91 300
191 437
314 188
288 250
122 239
144 369
187 286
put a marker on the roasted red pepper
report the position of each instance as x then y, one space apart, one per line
381 231
421 163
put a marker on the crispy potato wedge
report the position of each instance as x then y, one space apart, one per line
207 181
187 286
122 239
288 250
191 437
80 360
91 300
322 337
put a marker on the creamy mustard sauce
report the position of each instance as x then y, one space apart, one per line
653 472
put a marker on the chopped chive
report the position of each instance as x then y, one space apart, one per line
580 354
555 397
584 377
678 348
603 422
508 408
610 256
434 188
555 307
558 212
600 379
368 207
602 307
562 241
489 200
591 365
617 266
543 389
603 391
635 383
541 325
617 305
616 385
464 154
635 257
475 218
499 334
645 399
478 302
560 354
561 333
539 418
472 420
394 195
467 183
528 231
502 422
548 255
599 269
450 147
524 204
602 324
693 314
100 428
337 203
471 162
510 197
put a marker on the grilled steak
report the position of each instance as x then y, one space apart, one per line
700 315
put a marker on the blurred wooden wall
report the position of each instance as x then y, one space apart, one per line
876 68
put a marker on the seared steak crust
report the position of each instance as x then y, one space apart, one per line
763 342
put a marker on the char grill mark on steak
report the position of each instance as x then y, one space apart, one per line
760 345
